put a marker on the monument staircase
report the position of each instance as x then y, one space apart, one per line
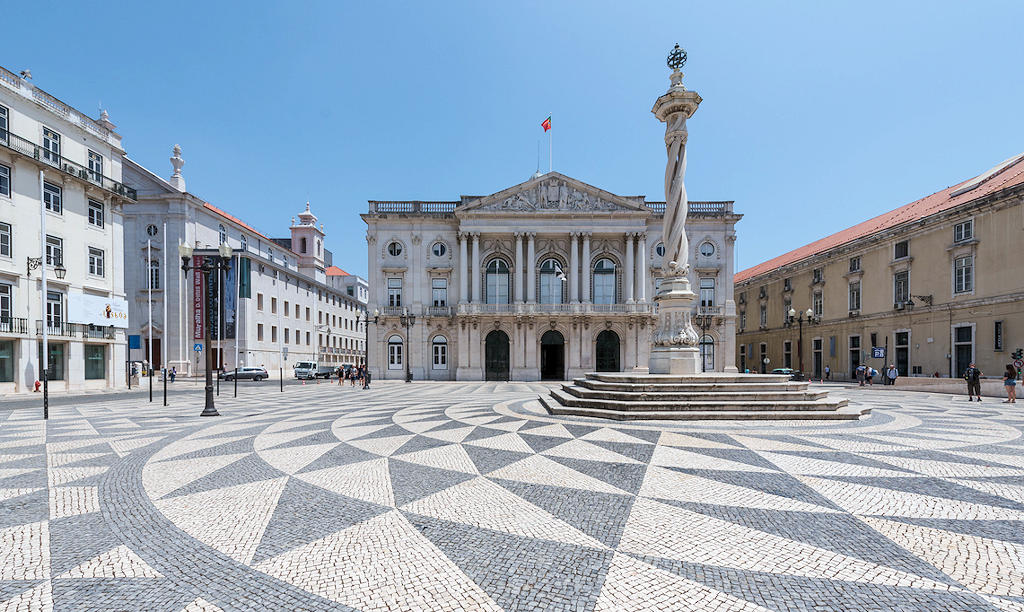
712 395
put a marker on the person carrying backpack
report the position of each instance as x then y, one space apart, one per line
973 377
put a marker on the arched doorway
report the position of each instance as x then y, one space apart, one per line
496 356
552 356
707 353
608 352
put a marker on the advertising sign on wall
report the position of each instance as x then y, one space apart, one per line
97 310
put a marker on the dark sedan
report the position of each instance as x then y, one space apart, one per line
793 374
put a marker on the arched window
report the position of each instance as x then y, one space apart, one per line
604 281
660 249
154 274
223 234
707 353
318 251
440 352
303 243
497 282
243 242
551 277
395 353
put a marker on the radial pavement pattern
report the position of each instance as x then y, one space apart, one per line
457 496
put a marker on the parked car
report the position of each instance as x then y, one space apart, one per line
256 374
793 374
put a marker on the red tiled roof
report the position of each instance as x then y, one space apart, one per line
336 271
1007 174
237 221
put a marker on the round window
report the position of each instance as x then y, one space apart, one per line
151 230
394 249
707 249
439 249
660 249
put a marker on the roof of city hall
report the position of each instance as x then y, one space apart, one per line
1009 173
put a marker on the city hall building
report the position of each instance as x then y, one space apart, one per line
547 279
933 285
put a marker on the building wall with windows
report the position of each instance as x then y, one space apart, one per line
83 199
935 280
289 302
547 279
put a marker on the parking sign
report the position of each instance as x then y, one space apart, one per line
878 352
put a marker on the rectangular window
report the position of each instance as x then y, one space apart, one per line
786 305
273 333
855 296
764 316
5 180
286 308
787 284
394 355
95 362
997 336
259 301
818 304
4 118
95 262
743 320
818 274
902 249
296 311
95 213
285 336
394 292
259 332
53 196
855 264
54 308
6 361
54 251
51 146
439 291
307 338
901 287
5 240
707 292
6 304
440 355
154 274
307 313
273 305
963 274
787 354
962 232
95 166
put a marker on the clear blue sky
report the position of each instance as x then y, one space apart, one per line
816 115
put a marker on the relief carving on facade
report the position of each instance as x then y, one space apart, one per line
551 195
674 329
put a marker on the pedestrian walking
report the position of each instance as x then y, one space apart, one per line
870 373
891 374
366 378
973 377
174 373
1010 384
828 373
861 374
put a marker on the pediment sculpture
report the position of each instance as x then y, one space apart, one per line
551 196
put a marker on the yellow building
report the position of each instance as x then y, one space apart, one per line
938 283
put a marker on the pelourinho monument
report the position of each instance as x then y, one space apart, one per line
674 387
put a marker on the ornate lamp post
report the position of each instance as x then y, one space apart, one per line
366 322
44 368
799 318
704 321
407 320
210 264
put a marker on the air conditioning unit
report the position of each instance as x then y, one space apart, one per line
899 305
70 169
854 313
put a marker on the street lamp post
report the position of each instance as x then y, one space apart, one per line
407 319
704 322
366 343
210 264
799 318
60 271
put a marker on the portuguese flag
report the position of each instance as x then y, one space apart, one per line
546 124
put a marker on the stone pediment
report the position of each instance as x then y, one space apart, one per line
553 193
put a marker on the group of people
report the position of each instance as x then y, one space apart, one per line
973 377
866 374
355 374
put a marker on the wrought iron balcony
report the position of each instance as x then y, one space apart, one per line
13 325
37 152
59 328
98 332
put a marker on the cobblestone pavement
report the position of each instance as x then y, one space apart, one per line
459 496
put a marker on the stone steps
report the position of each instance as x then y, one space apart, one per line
711 395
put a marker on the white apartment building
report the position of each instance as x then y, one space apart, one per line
547 279
82 199
292 305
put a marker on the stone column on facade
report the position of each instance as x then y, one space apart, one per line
641 268
574 268
628 283
531 268
476 268
586 267
463 268
518 289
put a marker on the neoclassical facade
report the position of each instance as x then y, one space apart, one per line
547 279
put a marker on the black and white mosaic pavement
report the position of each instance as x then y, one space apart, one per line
468 496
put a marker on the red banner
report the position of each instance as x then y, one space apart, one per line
197 298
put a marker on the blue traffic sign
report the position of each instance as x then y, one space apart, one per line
197 347
878 352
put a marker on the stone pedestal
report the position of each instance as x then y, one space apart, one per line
674 342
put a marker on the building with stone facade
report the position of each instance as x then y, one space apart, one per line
292 305
58 164
936 282
547 279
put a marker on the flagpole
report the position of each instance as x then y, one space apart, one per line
550 147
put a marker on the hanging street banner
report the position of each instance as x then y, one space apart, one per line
197 298
230 302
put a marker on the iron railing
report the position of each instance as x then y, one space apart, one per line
63 329
13 325
30 149
413 207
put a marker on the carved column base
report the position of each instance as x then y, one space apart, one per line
674 341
